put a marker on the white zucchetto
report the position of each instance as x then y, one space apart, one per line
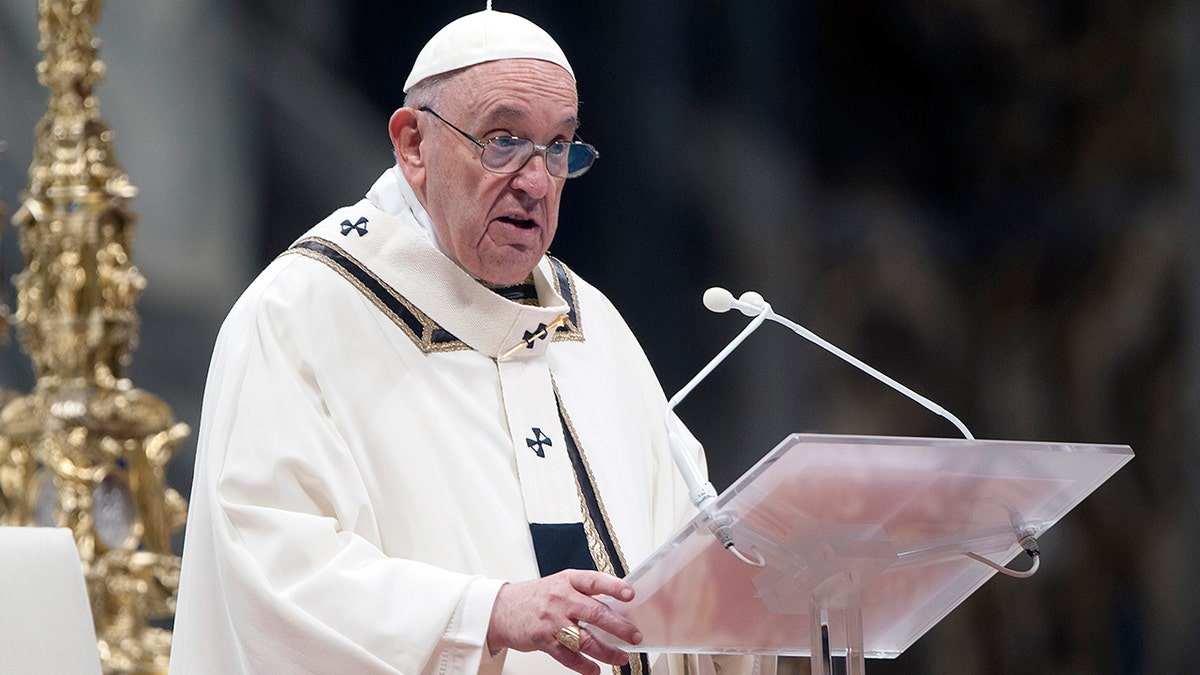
484 36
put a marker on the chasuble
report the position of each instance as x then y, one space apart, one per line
385 441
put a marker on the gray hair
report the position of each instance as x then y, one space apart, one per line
428 92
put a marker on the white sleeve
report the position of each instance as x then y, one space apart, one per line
283 571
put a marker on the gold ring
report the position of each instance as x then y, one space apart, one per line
568 636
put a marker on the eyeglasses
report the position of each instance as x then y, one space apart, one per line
507 154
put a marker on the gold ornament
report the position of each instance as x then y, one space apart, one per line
6 394
86 449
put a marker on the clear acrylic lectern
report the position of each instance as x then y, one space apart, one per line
861 541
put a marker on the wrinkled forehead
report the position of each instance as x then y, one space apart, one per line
513 90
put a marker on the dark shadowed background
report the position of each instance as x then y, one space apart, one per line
995 203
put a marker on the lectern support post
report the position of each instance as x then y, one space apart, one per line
822 637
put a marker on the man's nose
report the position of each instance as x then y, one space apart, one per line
533 178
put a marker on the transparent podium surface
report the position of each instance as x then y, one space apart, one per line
866 534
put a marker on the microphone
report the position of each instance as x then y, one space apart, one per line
700 491
719 300
751 304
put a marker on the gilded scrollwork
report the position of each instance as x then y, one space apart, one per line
86 449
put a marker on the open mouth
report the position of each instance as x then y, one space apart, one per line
523 223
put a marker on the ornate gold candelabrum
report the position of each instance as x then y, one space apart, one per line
86 449
6 394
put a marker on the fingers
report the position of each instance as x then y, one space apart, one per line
576 662
610 622
528 615
598 583
598 614
589 648
593 647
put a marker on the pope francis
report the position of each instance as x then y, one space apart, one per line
426 445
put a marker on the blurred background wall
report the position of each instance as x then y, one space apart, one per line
995 203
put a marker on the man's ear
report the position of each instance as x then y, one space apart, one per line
406 141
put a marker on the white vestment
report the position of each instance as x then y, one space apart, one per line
356 503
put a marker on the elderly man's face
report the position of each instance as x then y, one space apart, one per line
498 226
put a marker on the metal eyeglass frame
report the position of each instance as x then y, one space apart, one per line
543 149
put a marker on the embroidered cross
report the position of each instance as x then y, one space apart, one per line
529 337
360 227
538 442
539 334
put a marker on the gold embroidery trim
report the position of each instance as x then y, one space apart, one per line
424 341
574 329
595 542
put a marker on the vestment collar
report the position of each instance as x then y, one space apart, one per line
386 246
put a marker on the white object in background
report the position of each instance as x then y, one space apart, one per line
45 618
